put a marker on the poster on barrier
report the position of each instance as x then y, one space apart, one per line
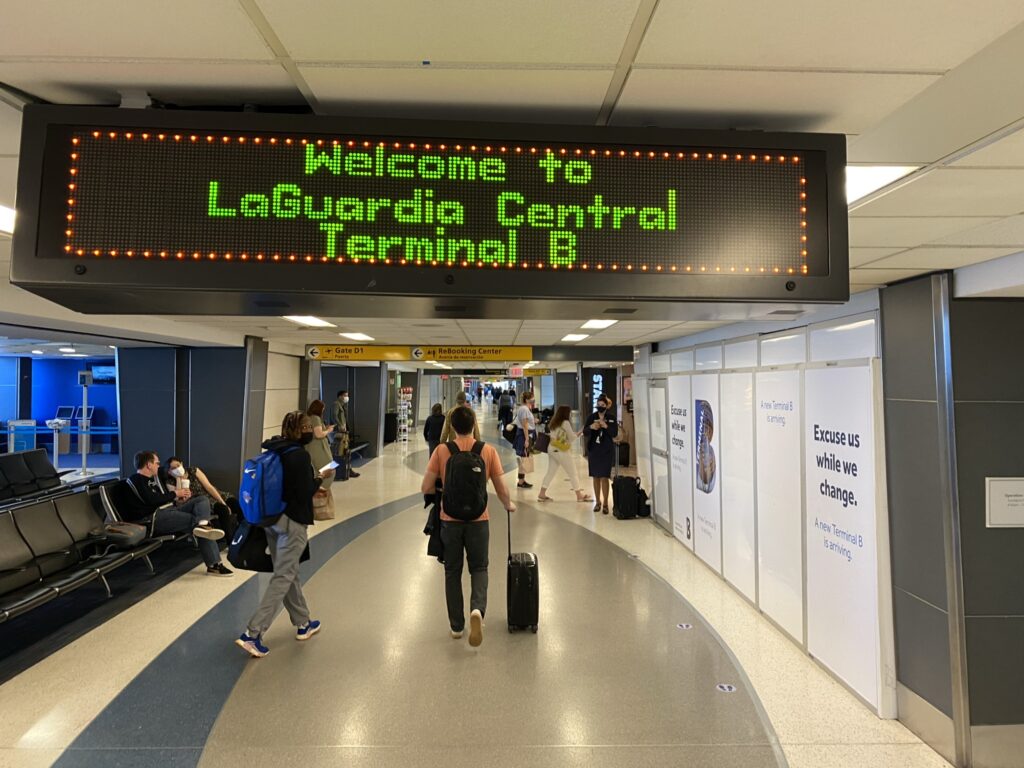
779 504
739 531
681 456
842 562
707 493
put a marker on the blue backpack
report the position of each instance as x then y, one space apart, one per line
261 494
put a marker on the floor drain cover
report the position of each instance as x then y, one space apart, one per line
684 626
726 688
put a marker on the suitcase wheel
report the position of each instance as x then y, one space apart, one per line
534 629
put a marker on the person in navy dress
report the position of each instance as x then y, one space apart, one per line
600 431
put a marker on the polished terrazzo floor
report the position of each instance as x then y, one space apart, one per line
610 679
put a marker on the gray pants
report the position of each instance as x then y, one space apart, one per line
287 540
475 539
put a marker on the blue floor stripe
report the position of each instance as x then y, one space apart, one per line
164 716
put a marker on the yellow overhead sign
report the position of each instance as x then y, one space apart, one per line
343 352
467 353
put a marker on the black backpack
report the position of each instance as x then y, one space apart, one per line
465 483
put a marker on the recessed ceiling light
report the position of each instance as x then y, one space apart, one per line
37 351
597 324
357 336
111 346
575 336
6 219
309 320
862 180
67 349
75 355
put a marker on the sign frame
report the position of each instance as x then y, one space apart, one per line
136 285
995 486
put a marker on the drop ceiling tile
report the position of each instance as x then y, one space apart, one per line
954 192
1007 153
8 180
861 256
530 31
882 276
769 100
10 130
456 94
183 29
1006 232
181 83
940 258
907 232
869 35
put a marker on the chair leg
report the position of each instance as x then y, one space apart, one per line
149 564
106 585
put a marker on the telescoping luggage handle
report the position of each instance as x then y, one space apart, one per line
509 513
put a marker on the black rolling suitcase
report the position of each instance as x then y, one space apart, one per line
523 588
625 497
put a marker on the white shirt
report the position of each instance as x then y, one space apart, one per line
525 414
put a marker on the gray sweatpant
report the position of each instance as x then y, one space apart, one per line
287 540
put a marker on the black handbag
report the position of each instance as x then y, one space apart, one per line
250 551
542 442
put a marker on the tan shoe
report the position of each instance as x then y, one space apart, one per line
476 628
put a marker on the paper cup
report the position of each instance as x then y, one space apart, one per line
185 484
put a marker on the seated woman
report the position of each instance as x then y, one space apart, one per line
196 481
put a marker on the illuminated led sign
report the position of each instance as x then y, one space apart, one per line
244 192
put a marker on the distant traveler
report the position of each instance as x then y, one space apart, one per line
560 454
465 493
447 433
600 431
526 433
342 437
174 511
480 395
506 401
433 427
319 448
287 537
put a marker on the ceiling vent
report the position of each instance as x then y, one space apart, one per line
449 308
619 311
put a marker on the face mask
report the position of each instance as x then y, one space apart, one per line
178 471
306 439
344 399
602 408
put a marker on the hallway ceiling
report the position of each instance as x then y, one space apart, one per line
931 84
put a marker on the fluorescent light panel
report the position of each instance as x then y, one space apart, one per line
575 336
309 320
862 180
67 349
599 324
357 336
6 219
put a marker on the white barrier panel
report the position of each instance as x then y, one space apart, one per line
641 414
659 472
657 397
707 494
779 519
680 408
842 567
737 472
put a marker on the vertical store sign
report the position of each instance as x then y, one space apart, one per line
739 532
779 508
842 564
707 471
680 408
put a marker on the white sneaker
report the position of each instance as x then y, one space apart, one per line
207 532
476 628
456 635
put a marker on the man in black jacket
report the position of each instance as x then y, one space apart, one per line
287 537
175 511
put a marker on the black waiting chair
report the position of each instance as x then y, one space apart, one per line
21 479
59 560
20 587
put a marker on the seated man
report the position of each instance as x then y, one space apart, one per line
176 511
